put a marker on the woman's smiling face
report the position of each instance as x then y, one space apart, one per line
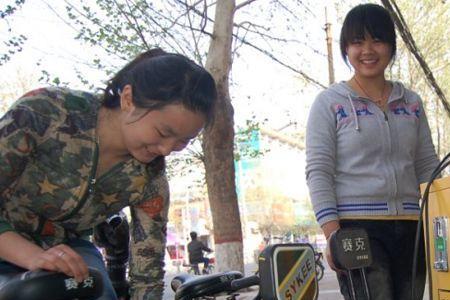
369 56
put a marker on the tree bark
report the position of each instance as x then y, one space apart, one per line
218 141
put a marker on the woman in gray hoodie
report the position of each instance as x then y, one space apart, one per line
368 147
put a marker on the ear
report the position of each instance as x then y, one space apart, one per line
126 99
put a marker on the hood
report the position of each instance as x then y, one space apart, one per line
343 89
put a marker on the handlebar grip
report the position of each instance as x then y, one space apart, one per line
241 283
178 280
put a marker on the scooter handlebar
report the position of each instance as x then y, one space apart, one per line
241 283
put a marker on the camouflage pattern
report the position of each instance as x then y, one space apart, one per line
48 189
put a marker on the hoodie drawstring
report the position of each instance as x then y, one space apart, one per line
354 112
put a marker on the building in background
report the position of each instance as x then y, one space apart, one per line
271 189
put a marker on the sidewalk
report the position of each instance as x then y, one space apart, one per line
328 286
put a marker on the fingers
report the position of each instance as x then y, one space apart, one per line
64 259
330 260
73 261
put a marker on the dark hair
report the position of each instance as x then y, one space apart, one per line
159 78
193 235
367 18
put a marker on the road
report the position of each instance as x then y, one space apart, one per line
328 286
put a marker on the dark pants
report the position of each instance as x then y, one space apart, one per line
389 276
205 262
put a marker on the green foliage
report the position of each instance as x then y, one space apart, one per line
11 8
244 141
126 28
14 42
46 78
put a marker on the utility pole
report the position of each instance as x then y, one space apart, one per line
329 49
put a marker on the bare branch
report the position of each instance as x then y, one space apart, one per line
247 2
276 39
267 53
411 44
194 38
166 30
136 28
270 55
107 50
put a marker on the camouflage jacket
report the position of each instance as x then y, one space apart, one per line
48 189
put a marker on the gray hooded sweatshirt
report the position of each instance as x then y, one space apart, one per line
363 163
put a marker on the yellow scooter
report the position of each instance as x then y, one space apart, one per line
436 214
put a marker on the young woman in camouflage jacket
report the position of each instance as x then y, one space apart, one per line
70 159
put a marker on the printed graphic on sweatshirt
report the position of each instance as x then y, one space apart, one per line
346 115
406 110
362 110
341 115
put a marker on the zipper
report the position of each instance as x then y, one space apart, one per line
391 168
90 190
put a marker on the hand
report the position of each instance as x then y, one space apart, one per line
61 258
329 229
328 256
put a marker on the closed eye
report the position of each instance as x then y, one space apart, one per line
160 133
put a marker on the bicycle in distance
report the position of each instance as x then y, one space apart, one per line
199 268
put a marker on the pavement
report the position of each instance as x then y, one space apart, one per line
328 286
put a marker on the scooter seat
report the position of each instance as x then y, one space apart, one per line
7 277
44 285
188 287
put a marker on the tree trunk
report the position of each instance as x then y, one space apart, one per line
217 145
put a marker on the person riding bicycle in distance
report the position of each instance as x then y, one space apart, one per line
195 251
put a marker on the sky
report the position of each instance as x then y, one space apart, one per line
260 89
50 46
258 84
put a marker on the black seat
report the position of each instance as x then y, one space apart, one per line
43 285
188 287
